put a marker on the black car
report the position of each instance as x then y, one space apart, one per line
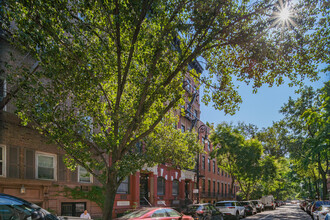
205 211
13 208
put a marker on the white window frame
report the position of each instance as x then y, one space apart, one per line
3 160
54 164
90 176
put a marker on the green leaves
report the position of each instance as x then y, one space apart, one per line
122 65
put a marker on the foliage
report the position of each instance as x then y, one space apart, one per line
308 120
275 139
110 72
239 157
95 194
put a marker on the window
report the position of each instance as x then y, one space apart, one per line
139 146
161 213
188 85
208 145
222 189
209 163
160 186
203 162
218 186
214 186
209 186
222 173
218 170
175 188
124 187
213 166
46 166
2 160
72 208
172 213
183 128
83 175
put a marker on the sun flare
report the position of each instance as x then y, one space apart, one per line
285 14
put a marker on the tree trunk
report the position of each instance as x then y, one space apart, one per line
110 195
232 185
317 189
325 187
324 176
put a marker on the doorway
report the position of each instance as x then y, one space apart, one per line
144 190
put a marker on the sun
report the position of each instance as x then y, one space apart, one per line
283 16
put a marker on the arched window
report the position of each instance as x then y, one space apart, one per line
160 186
175 188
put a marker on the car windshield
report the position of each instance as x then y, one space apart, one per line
135 214
193 208
225 204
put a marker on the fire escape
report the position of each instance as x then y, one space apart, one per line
193 93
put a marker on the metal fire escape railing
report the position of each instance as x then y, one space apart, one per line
188 113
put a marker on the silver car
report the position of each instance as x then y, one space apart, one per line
231 209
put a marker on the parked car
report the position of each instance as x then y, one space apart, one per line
250 208
309 207
321 212
161 213
15 208
205 211
260 207
327 217
303 204
268 202
317 204
231 209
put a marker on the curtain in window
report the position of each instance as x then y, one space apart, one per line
45 167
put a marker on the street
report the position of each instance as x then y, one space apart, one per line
289 211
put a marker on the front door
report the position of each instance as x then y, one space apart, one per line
187 189
144 189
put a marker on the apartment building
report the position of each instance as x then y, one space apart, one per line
33 169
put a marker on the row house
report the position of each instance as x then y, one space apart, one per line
216 184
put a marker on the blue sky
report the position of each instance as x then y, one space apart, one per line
261 109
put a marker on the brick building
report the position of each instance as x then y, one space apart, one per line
33 169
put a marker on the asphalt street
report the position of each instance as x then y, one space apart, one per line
289 211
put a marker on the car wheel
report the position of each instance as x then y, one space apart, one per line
244 214
237 216
220 217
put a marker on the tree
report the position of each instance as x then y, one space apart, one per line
275 139
237 156
110 72
308 119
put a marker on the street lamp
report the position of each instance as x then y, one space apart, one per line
201 128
